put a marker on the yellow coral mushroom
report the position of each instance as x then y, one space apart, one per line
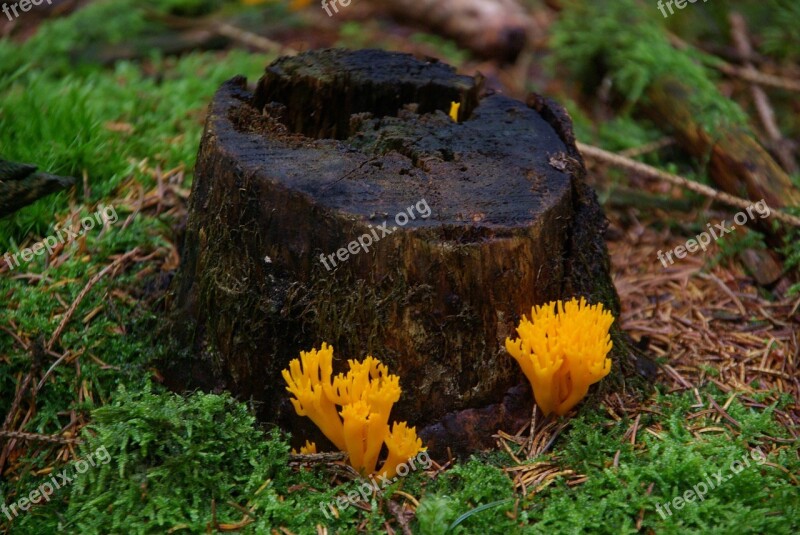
366 394
309 448
368 380
454 106
305 378
364 432
562 351
403 444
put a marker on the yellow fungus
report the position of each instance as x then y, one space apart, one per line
454 110
366 394
562 351
305 378
309 448
402 444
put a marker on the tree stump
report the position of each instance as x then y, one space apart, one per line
336 147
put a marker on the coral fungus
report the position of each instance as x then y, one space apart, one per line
403 444
305 379
454 106
308 449
562 351
366 394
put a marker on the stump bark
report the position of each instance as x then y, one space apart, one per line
334 147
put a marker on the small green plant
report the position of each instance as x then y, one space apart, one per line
730 246
473 497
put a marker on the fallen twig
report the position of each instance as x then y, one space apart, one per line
651 172
649 147
313 458
748 75
256 41
94 280
36 437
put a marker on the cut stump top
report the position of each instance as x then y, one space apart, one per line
491 169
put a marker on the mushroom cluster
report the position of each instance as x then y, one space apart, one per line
366 395
562 351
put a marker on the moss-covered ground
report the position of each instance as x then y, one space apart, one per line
129 130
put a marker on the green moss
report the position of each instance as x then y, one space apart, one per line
355 35
625 43
446 49
756 498
61 125
463 489
65 44
170 457
759 499
169 460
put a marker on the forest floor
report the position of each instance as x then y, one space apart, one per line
99 91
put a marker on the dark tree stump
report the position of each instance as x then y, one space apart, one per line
330 146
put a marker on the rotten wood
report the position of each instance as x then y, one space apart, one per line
22 184
737 163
